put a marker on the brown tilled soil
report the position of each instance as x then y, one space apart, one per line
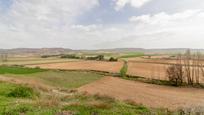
147 70
84 65
151 70
142 69
147 94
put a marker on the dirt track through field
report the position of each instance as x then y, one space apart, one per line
147 94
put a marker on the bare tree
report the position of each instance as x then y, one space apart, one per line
188 68
175 74
197 67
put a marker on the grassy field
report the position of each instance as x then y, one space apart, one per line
131 55
56 78
63 79
18 70
16 105
74 104
18 99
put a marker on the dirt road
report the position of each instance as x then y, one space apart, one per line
147 94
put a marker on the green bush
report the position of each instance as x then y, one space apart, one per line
70 56
45 56
123 70
48 56
23 92
98 57
113 59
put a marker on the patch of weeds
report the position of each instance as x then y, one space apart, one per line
103 105
100 105
50 101
17 110
104 98
82 110
23 92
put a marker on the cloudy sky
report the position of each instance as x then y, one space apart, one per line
95 24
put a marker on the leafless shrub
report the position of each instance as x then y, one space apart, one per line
189 69
175 74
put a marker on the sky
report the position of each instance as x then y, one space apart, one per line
101 24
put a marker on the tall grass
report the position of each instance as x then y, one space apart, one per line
23 92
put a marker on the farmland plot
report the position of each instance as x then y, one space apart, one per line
113 67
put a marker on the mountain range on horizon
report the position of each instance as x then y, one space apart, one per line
41 51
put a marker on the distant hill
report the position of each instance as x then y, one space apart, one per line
54 51
159 51
35 51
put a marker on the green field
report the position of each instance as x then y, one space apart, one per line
56 78
19 70
63 79
131 55
76 103
18 99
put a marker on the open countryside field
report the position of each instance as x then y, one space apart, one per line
52 92
87 79
147 94
32 60
147 68
156 67
113 67
101 57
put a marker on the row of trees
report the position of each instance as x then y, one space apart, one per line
97 57
188 69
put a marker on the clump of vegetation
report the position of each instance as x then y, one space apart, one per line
102 105
16 110
98 57
47 56
23 92
70 56
112 59
123 70
19 70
